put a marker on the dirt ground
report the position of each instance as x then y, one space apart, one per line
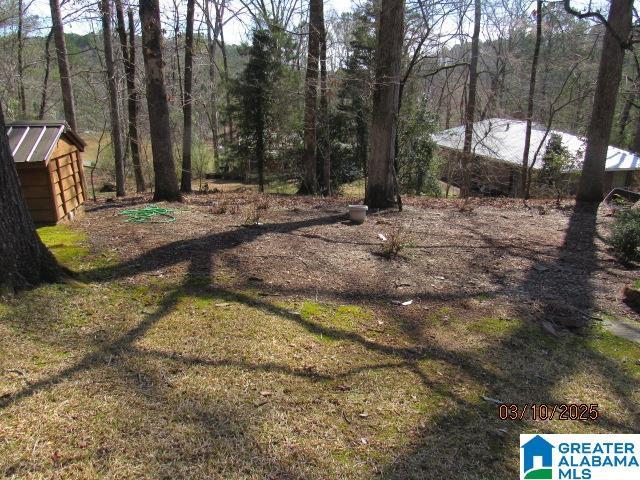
265 337
531 260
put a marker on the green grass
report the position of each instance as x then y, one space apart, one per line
68 245
496 326
441 316
71 248
173 378
353 189
283 187
615 348
342 317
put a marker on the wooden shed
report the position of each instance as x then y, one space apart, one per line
48 161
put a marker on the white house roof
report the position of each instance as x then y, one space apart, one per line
503 140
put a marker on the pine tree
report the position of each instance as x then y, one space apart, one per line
255 93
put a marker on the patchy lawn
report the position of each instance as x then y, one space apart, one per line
204 348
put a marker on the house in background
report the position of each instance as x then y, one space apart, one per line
498 146
47 158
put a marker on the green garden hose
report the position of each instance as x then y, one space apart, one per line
147 214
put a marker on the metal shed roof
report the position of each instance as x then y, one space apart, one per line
34 141
503 140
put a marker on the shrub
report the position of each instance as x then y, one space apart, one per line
558 173
252 216
416 154
394 243
625 235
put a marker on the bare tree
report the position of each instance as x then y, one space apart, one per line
19 34
185 183
114 110
63 65
45 78
274 14
214 30
128 48
166 181
24 260
310 182
324 145
625 113
382 191
532 92
470 111
616 40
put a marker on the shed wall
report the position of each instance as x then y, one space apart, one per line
36 189
56 190
67 179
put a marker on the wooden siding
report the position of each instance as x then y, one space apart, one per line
36 189
54 190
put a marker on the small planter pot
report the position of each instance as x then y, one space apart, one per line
358 213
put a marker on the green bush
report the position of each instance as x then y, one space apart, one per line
625 235
417 169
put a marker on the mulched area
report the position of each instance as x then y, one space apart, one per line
539 261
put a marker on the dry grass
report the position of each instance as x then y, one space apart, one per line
195 377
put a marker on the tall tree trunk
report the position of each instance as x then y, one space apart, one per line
260 143
576 122
381 189
21 95
185 184
63 65
604 102
626 112
325 146
223 50
24 260
114 110
532 91
176 37
128 47
166 181
635 145
45 79
470 110
212 38
310 181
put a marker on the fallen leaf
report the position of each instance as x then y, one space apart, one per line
266 393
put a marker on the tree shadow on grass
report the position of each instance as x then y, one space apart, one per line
518 364
479 443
